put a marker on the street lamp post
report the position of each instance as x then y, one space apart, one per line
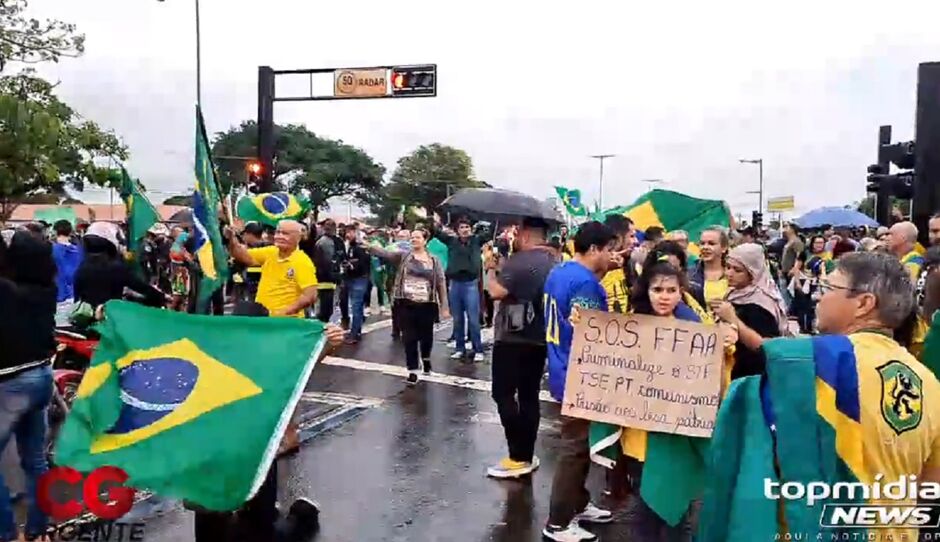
760 186
198 56
600 192
650 183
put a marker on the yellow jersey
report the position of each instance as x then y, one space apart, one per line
618 293
900 421
282 279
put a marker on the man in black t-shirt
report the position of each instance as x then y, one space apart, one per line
519 350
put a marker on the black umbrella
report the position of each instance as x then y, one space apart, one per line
502 206
184 216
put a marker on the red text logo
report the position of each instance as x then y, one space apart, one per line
62 494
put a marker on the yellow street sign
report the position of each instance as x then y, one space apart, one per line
783 203
360 83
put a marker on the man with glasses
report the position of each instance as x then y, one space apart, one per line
868 298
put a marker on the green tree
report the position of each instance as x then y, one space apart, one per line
45 146
429 174
307 164
28 40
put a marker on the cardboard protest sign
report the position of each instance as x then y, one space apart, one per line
647 372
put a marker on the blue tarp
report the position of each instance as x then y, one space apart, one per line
836 217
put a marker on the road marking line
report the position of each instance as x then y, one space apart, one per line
340 399
436 378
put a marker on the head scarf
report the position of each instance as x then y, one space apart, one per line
761 291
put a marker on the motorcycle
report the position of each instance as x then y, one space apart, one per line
72 356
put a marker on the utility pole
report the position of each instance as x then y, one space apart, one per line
600 191
760 186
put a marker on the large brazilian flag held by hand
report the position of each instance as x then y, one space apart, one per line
192 407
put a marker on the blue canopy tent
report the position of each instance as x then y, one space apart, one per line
837 217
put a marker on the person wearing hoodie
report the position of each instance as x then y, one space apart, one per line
27 310
104 275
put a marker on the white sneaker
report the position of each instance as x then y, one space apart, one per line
572 533
412 378
479 357
458 355
593 514
535 462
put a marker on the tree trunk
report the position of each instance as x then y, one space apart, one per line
6 210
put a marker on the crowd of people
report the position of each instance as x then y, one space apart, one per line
530 282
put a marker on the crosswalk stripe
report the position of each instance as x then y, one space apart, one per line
436 378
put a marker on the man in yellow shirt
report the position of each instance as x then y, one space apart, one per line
615 281
901 241
288 282
866 298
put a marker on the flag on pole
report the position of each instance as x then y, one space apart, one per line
572 201
191 406
141 214
210 253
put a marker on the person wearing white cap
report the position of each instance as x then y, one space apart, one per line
104 275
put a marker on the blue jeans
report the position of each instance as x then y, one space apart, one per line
465 308
357 298
23 402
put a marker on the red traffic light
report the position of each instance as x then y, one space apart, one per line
414 80
254 167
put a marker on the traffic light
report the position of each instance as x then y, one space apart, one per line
254 170
757 220
414 80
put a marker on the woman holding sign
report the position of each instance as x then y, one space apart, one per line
753 306
658 506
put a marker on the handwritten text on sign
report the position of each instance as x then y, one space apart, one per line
658 374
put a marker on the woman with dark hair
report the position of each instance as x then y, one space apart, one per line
672 252
811 266
659 291
753 306
27 310
421 292
104 275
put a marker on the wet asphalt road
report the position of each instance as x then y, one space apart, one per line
387 462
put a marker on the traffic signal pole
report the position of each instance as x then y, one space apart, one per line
403 81
266 127
883 195
927 148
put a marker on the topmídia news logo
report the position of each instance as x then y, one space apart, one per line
886 505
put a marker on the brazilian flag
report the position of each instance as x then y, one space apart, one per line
674 211
270 208
823 400
192 407
572 200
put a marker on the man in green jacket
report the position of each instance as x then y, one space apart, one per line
464 265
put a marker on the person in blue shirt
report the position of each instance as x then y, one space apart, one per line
571 287
68 257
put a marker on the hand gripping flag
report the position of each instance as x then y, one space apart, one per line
192 407
210 253
271 208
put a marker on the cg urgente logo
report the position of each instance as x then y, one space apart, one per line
119 501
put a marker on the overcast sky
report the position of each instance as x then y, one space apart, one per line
678 90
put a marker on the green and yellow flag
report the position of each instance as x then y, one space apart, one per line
141 214
211 254
192 407
674 211
271 208
572 200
